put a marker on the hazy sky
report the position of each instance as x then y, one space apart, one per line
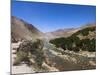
49 16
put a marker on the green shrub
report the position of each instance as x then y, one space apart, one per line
76 49
21 56
84 44
29 48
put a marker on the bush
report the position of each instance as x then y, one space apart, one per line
76 49
89 45
74 43
29 48
21 56
85 33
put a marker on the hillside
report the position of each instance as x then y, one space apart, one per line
61 33
66 32
23 30
84 39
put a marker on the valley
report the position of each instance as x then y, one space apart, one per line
33 51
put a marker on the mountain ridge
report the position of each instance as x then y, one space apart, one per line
23 30
20 29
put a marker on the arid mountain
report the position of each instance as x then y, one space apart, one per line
66 32
84 39
88 25
22 30
87 32
61 33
